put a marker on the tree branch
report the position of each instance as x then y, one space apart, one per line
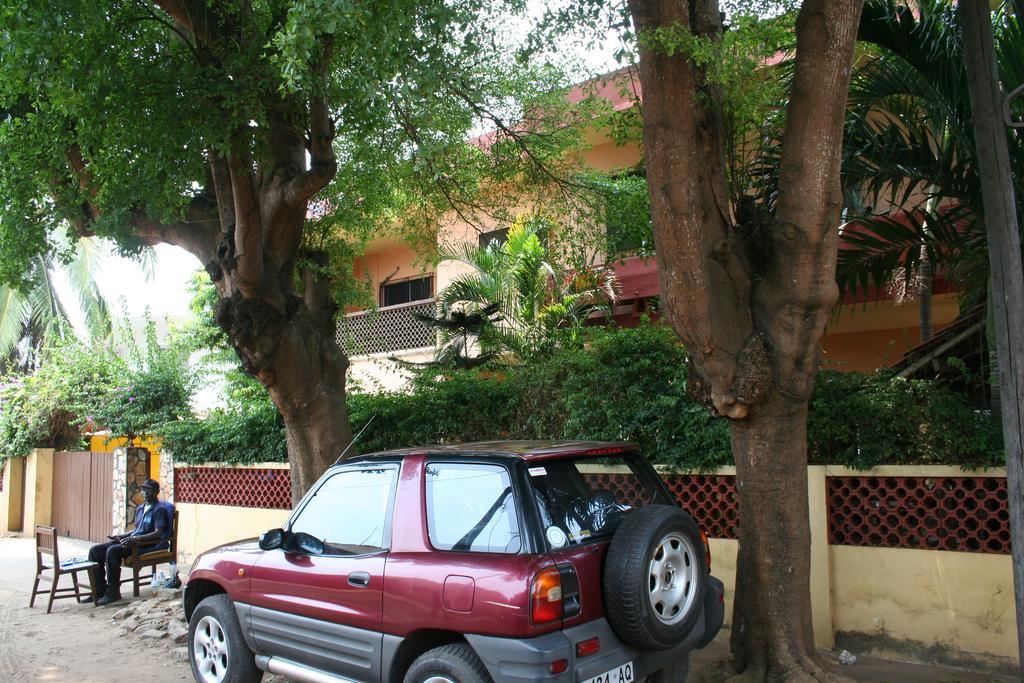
323 163
705 281
248 222
794 299
198 233
192 15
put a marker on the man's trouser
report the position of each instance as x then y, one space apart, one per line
108 575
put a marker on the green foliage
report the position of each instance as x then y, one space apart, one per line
534 304
623 385
629 384
47 409
252 431
80 386
627 213
154 386
909 146
35 315
862 420
468 406
143 104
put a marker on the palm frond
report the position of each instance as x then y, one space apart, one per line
13 313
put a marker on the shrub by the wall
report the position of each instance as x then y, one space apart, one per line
237 434
625 385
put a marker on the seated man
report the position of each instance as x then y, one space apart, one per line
152 532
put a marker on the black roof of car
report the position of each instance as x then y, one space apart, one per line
527 450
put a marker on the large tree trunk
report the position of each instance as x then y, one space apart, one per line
1006 272
771 626
310 393
298 360
247 230
752 315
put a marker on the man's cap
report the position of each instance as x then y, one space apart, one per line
151 484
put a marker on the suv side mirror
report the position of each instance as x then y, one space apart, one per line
272 540
306 543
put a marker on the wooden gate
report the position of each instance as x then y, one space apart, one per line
82 494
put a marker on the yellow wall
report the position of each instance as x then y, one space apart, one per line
11 496
865 337
38 489
955 599
961 600
102 443
201 527
388 259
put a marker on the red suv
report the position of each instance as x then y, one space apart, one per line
503 561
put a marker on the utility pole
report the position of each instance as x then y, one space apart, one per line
1006 279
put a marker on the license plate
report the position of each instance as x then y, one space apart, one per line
620 674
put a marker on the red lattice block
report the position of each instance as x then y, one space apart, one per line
968 514
625 486
240 487
711 499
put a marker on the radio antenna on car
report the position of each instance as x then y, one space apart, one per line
354 439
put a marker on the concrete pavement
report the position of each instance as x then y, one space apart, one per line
80 644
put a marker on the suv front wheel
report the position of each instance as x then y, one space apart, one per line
448 664
216 647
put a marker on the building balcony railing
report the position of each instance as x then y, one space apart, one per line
386 330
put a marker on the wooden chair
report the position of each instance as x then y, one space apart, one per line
46 545
137 562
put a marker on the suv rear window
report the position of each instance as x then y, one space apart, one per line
583 499
470 507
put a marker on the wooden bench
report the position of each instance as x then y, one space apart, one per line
46 545
138 562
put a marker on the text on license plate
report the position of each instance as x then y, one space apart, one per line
621 674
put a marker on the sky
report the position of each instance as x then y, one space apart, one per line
125 285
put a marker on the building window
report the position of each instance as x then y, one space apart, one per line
498 237
406 291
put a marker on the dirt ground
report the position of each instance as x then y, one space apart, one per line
80 644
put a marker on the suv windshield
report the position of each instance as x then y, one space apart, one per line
584 498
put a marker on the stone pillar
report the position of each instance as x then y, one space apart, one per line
119 497
137 472
166 476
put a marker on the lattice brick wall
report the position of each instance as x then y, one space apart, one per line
711 499
625 486
389 329
967 514
241 487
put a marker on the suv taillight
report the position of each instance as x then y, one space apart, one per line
546 596
707 549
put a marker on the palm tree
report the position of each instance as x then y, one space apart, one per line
516 300
910 164
36 314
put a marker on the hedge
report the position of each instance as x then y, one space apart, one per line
629 384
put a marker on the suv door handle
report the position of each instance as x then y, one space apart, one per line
359 579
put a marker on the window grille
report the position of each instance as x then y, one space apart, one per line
386 330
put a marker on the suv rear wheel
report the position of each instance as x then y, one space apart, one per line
216 647
655 576
448 664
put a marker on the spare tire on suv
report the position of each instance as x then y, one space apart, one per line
655 576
